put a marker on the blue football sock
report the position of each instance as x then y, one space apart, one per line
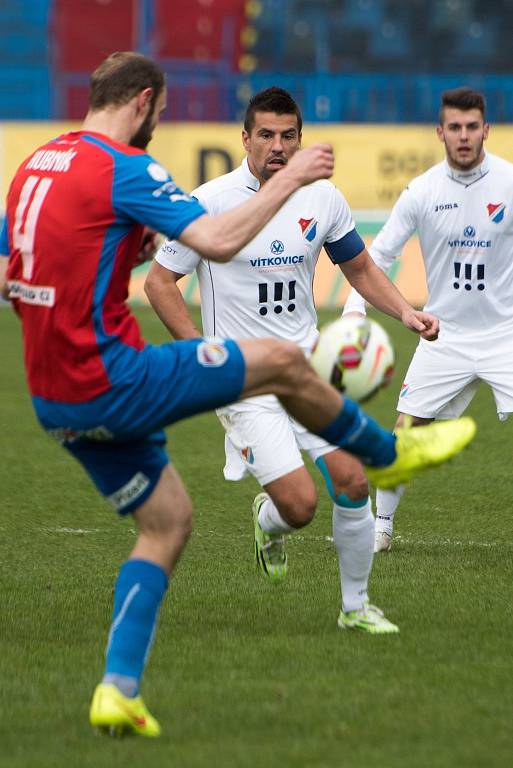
140 587
356 432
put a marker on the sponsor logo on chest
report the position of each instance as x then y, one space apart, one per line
469 240
277 259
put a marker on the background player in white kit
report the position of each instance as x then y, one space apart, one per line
267 291
462 209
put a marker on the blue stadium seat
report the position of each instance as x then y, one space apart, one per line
24 60
478 41
365 14
345 60
391 41
25 93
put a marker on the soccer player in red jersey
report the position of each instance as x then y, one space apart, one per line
74 228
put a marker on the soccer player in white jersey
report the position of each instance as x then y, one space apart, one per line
266 290
462 209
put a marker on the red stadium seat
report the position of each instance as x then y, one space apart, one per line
201 30
87 31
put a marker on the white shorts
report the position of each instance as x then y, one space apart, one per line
444 375
264 441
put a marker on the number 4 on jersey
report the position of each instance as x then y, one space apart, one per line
29 205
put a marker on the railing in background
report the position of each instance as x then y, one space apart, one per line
215 95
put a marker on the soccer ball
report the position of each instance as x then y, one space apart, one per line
355 355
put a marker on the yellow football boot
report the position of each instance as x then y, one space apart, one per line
115 714
420 448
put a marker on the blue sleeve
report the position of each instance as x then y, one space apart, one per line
346 248
4 240
144 192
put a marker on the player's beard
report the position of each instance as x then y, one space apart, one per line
142 138
471 161
266 173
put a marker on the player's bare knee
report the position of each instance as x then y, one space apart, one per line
304 515
344 476
169 520
181 523
175 534
357 489
292 364
299 511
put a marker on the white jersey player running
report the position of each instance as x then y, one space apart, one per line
462 210
266 290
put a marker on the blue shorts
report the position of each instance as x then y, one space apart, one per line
118 437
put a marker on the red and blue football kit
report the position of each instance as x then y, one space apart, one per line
75 212
74 222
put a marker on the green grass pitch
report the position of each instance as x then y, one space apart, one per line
244 673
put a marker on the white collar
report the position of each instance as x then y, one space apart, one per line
468 177
250 181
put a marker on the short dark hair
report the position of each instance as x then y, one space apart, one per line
274 99
463 98
121 76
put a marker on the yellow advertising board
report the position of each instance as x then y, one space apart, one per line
373 164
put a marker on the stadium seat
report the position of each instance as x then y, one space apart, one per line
88 30
24 60
363 14
391 43
478 41
200 31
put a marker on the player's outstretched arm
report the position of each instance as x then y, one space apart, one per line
219 238
355 304
372 283
389 242
166 299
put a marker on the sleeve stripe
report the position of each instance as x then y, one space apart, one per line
346 248
4 240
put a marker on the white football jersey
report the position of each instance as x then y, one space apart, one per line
266 289
465 227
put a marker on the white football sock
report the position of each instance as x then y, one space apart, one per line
386 504
353 534
270 519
